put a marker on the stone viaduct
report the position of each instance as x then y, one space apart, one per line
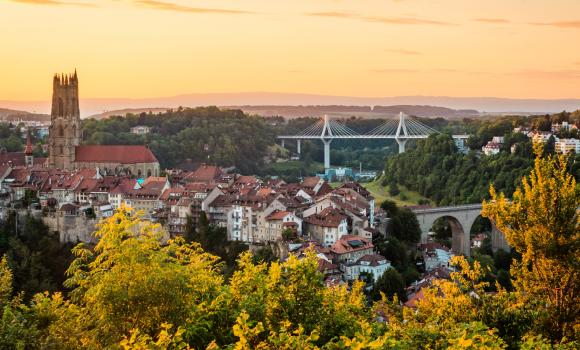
460 219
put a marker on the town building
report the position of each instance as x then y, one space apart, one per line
461 145
491 148
372 264
140 130
349 248
327 226
65 135
566 146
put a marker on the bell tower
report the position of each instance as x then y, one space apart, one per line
65 121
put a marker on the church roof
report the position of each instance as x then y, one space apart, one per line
123 154
12 158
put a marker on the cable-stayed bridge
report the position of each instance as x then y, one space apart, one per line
327 130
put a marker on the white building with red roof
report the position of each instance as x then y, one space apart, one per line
491 148
327 226
373 264
350 248
279 221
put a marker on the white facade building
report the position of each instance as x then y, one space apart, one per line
373 264
566 146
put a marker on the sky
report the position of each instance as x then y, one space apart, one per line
363 48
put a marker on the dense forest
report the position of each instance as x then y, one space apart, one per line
38 260
132 291
435 169
10 138
224 137
232 138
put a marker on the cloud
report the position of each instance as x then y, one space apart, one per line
404 52
168 6
53 3
492 20
394 71
404 20
379 19
548 74
427 71
332 14
559 24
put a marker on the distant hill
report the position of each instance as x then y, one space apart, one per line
123 112
93 106
12 115
359 111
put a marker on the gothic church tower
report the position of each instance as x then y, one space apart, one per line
65 121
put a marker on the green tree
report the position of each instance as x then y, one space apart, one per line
391 283
405 226
394 189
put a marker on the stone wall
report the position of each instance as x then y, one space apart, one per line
72 229
279 248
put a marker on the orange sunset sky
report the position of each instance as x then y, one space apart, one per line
150 48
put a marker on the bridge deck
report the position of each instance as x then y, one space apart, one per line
448 209
328 137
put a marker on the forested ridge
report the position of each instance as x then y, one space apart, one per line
232 138
223 137
435 169
132 291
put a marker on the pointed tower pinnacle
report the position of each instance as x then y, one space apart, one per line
29 149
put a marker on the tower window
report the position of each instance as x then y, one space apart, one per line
60 106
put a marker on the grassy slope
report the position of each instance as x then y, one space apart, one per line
381 193
294 166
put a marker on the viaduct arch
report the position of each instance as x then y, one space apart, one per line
460 219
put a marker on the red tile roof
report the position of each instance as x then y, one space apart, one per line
246 180
28 149
350 243
329 217
205 173
199 187
373 259
414 298
311 181
123 154
12 158
278 215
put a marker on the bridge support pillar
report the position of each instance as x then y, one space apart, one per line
282 143
498 240
326 153
401 145
298 147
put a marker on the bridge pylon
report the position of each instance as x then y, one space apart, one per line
326 138
401 133
326 130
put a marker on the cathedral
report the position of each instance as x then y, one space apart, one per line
65 136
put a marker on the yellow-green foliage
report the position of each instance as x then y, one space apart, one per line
131 281
5 282
541 223
136 290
